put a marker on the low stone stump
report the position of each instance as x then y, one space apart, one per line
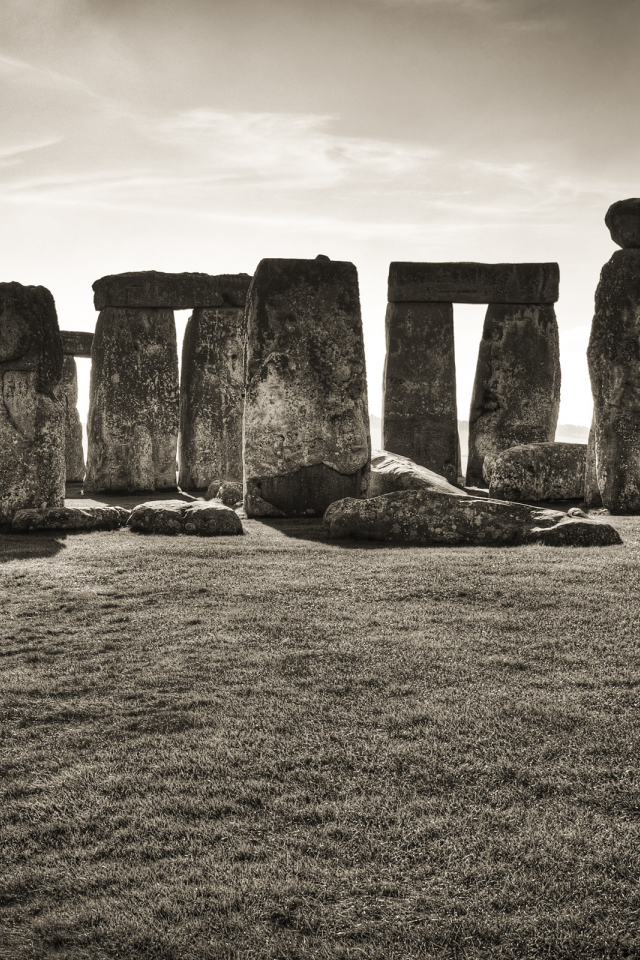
537 471
203 519
69 518
390 473
424 516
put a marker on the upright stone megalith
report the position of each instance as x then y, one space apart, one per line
67 391
419 407
212 391
306 421
132 427
614 368
516 391
32 469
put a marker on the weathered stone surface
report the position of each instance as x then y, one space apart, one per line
537 471
419 409
75 343
592 497
391 472
70 518
623 220
177 516
32 468
173 291
230 493
474 282
67 393
132 426
211 398
614 368
426 516
306 422
516 392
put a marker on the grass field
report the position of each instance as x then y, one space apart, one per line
277 746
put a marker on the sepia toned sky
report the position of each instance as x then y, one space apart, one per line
203 135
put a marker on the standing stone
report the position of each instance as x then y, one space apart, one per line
623 220
132 426
516 392
614 369
211 398
306 421
32 467
592 496
67 391
419 409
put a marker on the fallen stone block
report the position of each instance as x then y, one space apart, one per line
474 282
204 519
390 473
70 518
172 291
537 471
425 516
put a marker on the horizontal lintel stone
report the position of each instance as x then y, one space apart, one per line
173 291
76 343
468 282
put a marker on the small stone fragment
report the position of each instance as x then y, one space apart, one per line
179 516
306 422
516 391
474 282
537 471
623 220
69 518
172 291
419 408
230 493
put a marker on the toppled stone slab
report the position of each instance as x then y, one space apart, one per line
426 516
32 466
177 516
132 427
516 391
67 392
173 291
537 471
211 398
306 420
614 369
76 343
419 407
474 282
623 220
390 473
69 518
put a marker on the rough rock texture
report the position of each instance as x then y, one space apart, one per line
70 518
614 368
592 496
306 422
419 409
211 398
516 392
230 493
537 471
75 343
32 469
132 426
391 472
623 221
474 282
67 392
176 516
426 516
173 291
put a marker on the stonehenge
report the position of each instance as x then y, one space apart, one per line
516 391
32 467
306 422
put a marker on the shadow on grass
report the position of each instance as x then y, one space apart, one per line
31 546
312 530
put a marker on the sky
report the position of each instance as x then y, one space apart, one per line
204 135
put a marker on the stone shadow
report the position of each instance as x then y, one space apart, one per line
31 546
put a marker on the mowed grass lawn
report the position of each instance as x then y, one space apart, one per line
279 746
